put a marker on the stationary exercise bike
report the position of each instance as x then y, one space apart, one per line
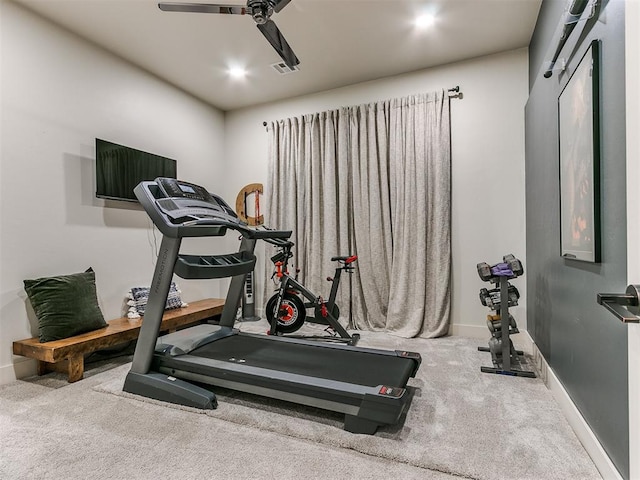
287 310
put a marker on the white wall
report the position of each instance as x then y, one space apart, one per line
58 94
488 162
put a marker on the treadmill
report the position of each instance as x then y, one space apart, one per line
367 385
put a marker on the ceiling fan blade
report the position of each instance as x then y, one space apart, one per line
277 40
202 8
279 5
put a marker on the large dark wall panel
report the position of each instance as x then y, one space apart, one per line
584 344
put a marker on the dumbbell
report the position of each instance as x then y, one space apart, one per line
484 271
494 323
491 298
514 295
484 295
488 298
514 264
495 347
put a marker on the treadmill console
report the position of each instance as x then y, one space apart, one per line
172 187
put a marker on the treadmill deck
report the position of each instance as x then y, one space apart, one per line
335 363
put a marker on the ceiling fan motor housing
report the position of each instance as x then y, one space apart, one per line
261 10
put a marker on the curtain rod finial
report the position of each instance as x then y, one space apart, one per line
455 92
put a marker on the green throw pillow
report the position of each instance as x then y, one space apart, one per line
66 305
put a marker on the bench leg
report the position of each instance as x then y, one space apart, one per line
76 368
42 368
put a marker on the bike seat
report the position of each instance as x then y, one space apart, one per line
346 259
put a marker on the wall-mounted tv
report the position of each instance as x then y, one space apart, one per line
119 169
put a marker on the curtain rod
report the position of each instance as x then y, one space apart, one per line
453 93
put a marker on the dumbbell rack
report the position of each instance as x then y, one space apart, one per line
510 355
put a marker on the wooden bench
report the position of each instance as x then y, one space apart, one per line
67 355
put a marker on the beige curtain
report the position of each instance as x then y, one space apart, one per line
372 180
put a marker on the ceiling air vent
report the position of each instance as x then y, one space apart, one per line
283 69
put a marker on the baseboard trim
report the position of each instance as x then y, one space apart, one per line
577 422
22 367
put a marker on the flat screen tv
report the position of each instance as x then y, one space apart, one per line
119 169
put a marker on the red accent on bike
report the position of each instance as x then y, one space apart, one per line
279 273
324 311
286 313
351 259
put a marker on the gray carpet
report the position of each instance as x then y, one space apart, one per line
461 423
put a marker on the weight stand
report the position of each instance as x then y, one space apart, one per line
503 365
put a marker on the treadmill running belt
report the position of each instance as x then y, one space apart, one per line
344 365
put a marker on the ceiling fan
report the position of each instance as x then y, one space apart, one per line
260 10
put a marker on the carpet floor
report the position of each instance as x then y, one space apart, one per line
461 424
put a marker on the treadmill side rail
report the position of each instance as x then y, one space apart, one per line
415 356
169 389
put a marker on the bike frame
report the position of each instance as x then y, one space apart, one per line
291 284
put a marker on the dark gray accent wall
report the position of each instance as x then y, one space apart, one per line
584 344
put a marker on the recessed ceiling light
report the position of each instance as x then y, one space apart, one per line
237 72
425 20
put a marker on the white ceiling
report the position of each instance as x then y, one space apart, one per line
338 42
